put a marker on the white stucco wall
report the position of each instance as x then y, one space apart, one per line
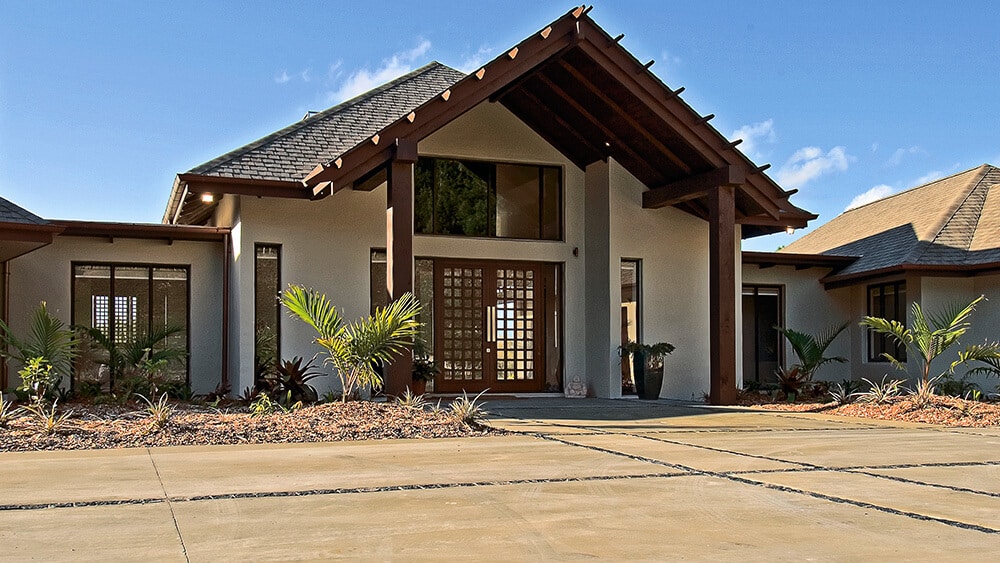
46 275
811 308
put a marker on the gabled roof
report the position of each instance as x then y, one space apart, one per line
575 86
950 222
12 213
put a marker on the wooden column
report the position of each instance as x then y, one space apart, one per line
722 294
399 249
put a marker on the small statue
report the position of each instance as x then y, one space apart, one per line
576 389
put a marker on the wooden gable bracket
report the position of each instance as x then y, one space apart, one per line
693 187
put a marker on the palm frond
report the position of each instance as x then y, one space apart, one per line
385 333
315 309
988 353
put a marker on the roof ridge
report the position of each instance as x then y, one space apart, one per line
914 188
319 116
922 246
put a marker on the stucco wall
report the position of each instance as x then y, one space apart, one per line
810 308
46 275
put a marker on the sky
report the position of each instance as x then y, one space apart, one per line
102 103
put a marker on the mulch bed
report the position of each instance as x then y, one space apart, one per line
108 426
941 410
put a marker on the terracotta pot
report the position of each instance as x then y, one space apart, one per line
418 386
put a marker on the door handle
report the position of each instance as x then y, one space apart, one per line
491 324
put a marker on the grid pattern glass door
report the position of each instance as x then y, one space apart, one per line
513 323
462 323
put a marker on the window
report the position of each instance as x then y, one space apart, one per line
888 301
126 303
267 308
485 199
763 346
630 310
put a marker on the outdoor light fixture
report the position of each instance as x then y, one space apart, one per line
207 198
790 230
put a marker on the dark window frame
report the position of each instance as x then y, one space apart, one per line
638 293
492 199
111 297
879 343
756 287
277 316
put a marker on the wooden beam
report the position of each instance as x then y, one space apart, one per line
615 107
586 143
722 295
399 257
198 183
768 221
693 187
618 143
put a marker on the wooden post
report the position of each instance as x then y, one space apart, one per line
399 250
722 294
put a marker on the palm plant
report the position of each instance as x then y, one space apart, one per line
811 349
48 341
987 354
136 363
354 349
929 336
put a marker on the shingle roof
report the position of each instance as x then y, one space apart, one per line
954 221
289 154
11 213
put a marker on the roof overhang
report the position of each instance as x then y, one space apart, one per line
937 270
799 261
585 94
17 239
157 231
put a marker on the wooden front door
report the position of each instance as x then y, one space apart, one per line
490 326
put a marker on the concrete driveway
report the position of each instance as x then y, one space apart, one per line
585 479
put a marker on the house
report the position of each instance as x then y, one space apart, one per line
543 207
937 244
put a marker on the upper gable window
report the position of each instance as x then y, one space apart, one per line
485 199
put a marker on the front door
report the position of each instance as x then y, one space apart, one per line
490 325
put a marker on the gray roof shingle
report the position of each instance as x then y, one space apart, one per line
291 153
11 213
954 221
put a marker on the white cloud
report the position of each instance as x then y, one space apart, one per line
929 177
670 59
282 78
304 75
809 163
474 62
365 79
897 156
878 192
754 136
874 148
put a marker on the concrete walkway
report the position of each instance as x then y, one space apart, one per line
585 479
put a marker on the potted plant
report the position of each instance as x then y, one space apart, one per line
424 370
647 366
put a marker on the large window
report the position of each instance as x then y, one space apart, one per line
763 346
126 303
630 311
485 199
888 301
267 309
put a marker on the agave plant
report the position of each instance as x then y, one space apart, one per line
811 349
354 349
929 335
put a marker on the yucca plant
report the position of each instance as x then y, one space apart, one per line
159 411
354 349
469 411
922 392
842 395
49 417
810 349
410 400
929 335
7 411
882 393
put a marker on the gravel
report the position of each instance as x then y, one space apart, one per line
107 426
941 410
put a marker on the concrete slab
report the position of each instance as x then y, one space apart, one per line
697 458
192 471
94 533
962 507
976 478
70 476
855 447
653 519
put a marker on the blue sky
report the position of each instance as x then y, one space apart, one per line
101 103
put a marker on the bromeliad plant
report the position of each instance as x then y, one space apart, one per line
354 349
928 337
811 349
